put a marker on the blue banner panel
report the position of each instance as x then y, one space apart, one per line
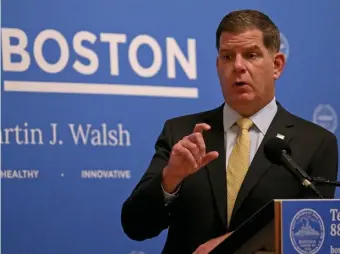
87 86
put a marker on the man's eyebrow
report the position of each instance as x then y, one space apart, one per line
251 47
225 50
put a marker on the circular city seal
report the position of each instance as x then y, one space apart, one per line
325 116
307 232
284 45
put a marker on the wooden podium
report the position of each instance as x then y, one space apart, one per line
287 227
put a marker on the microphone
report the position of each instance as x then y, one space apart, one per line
278 152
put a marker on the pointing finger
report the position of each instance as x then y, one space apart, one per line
200 127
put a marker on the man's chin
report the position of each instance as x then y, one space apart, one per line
244 99
244 104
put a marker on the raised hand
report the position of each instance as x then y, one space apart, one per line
187 157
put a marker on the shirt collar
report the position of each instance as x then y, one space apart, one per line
261 119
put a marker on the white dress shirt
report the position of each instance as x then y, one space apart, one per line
262 120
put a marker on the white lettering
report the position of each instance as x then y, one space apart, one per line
93 65
19 49
174 52
38 51
76 135
335 230
113 40
154 68
106 174
17 58
19 174
335 214
123 133
103 136
335 250
21 135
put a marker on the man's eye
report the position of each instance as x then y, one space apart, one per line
252 55
226 57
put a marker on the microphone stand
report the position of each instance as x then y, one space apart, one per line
308 183
304 178
323 181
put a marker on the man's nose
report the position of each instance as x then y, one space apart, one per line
239 65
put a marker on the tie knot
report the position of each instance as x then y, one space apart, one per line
244 123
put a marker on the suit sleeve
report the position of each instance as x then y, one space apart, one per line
144 214
324 164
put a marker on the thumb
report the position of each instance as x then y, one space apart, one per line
209 157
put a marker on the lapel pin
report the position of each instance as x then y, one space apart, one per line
280 136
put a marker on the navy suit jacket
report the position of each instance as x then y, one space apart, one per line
198 214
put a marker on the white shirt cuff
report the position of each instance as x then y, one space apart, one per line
168 197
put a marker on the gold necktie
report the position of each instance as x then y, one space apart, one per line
238 163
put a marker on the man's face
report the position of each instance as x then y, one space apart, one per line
247 71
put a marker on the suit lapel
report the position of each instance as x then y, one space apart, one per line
216 170
281 124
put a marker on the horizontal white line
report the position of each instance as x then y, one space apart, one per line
325 118
90 88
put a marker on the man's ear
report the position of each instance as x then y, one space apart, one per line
279 64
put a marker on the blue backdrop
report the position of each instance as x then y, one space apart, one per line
87 86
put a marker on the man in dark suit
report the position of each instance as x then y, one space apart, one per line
209 172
